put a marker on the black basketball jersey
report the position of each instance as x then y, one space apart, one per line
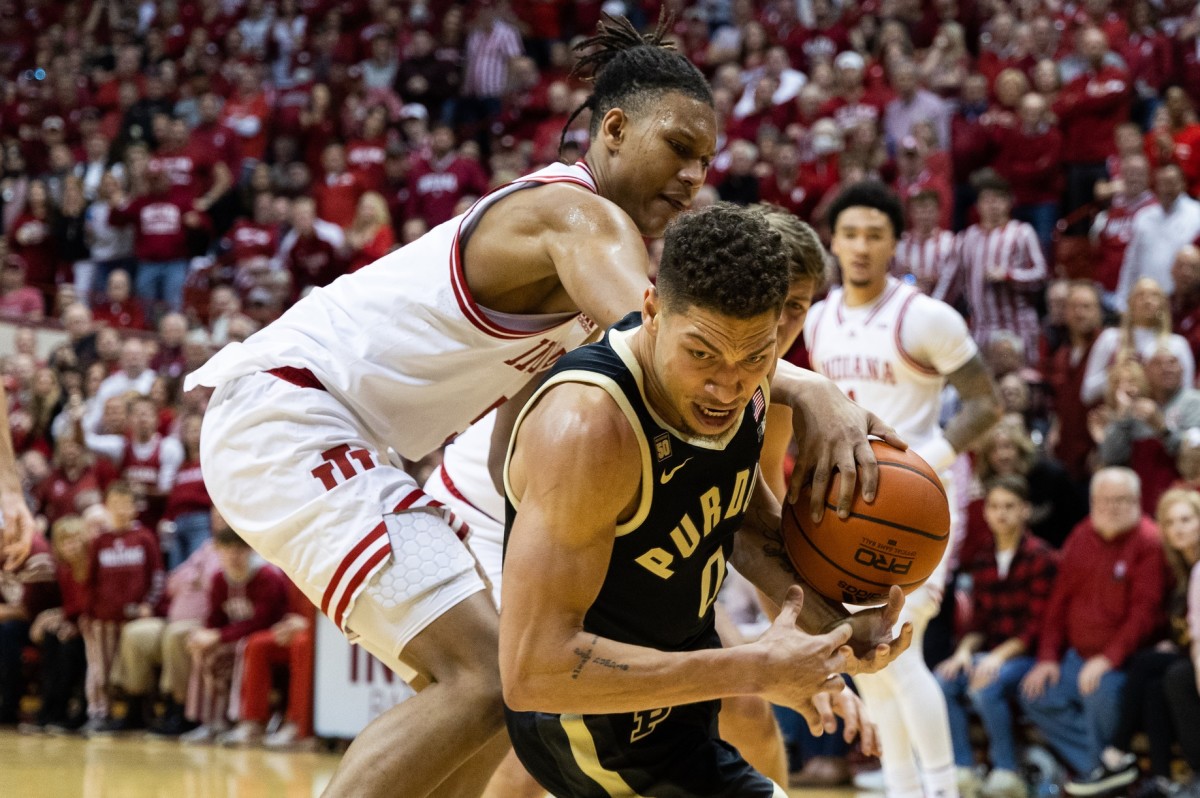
669 560
668 563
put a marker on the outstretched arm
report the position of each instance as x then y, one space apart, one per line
16 522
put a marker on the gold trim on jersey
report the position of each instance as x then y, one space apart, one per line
609 386
583 748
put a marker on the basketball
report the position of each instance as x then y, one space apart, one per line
896 540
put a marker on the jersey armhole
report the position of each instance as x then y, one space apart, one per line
908 358
609 386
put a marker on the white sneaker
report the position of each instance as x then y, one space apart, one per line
245 733
869 781
969 783
1004 784
288 738
204 734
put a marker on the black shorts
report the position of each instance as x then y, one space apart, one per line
661 753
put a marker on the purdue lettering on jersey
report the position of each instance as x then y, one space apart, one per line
669 559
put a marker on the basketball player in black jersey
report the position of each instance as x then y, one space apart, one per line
632 487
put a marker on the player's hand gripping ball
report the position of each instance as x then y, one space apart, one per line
898 539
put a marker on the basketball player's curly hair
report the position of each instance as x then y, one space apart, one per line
869 194
629 70
723 258
806 256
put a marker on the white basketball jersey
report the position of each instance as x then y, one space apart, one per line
867 350
402 343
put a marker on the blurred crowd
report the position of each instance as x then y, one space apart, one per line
174 174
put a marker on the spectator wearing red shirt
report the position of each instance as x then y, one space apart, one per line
116 307
30 237
314 250
365 155
161 219
125 581
247 596
853 105
370 236
1107 602
998 49
1148 54
1175 137
212 135
1070 440
784 185
247 113
18 302
193 166
439 182
338 191
1089 108
251 243
1113 228
1029 157
72 486
56 631
914 176
760 110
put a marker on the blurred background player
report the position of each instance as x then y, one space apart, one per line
893 349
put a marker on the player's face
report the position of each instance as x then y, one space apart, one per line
1006 513
660 158
707 366
864 244
1181 529
795 310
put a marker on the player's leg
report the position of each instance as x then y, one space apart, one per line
313 493
486 542
910 709
438 732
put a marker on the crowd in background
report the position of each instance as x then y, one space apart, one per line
174 174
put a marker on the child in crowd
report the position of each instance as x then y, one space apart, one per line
56 631
248 595
289 643
125 581
1010 590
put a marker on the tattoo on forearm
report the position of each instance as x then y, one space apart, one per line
585 656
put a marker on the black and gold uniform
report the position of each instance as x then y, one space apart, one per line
668 562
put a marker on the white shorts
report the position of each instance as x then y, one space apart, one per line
487 534
294 472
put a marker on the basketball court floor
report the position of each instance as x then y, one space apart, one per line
70 767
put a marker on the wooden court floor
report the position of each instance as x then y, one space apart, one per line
70 767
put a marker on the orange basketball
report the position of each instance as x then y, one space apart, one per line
896 540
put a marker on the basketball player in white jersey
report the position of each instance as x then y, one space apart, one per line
463 483
313 417
893 349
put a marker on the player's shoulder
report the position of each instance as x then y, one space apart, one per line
578 424
934 314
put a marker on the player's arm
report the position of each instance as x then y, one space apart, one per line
832 434
16 522
981 407
576 469
759 555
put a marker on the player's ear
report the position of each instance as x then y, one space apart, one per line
650 309
613 128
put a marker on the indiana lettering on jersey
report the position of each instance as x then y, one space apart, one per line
120 555
685 538
859 367
541 357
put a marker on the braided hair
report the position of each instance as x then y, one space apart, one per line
627 69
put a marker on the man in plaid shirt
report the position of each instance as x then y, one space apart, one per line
1011 589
